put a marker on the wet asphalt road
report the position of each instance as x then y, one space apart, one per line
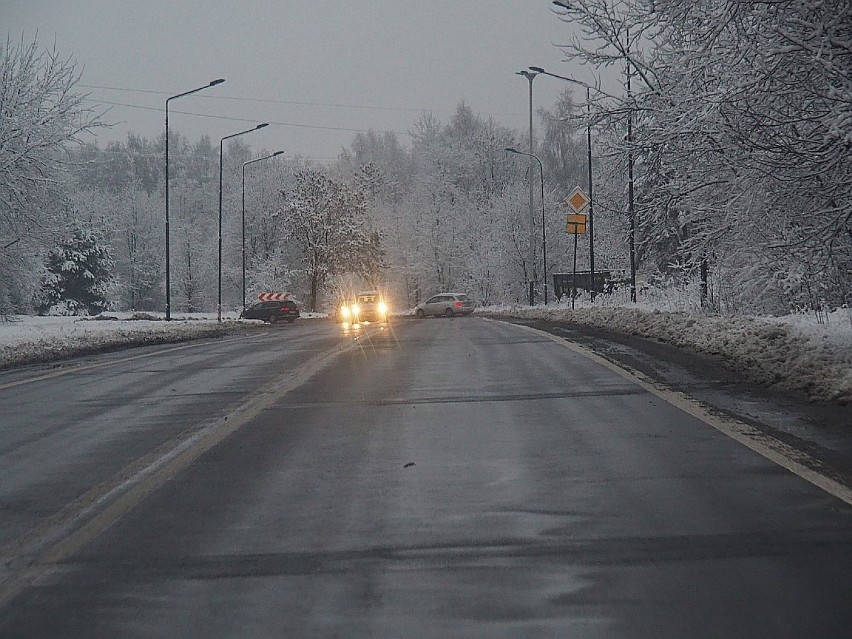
445 478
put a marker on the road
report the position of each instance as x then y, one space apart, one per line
439 478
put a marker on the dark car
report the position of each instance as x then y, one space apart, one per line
271 312
446 304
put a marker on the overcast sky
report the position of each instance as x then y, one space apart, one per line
309 67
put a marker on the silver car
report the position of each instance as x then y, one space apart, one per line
446 304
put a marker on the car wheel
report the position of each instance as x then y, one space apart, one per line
290 320
273 319
449 312
420 313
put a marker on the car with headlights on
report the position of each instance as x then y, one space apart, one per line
366 306
272 311
446 305
343 311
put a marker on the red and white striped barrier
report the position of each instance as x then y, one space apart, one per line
272 297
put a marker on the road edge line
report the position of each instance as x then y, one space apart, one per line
765 445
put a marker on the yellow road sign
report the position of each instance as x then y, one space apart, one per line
575 224
577 200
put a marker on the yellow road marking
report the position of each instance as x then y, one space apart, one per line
795 461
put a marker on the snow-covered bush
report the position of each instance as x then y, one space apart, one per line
78 276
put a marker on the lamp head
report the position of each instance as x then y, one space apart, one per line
537 69
260 126
215 82
277 153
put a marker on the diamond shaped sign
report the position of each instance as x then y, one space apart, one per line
578 200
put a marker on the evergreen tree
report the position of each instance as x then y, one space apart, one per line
78 276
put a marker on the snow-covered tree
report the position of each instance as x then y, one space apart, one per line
193 203
130 222
40 113
742 139
326 219
78 276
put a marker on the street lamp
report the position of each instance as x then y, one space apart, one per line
168 278
529 75
589 148
543 225
221 143
245 164
630 209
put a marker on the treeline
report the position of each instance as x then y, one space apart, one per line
737 126
741 118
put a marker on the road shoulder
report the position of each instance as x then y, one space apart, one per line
819 430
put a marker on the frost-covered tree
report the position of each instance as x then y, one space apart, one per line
40 113
135 162
193 218
78 276
270 274
453 209
742 139
130 222
463 232
563 143
326 219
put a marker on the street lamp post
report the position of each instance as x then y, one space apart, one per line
245 164
168 276
221 144
589 149
543 224
630 209
530 75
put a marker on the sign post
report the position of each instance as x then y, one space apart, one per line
575 224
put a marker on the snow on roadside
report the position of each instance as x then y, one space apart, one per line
28 340
795 352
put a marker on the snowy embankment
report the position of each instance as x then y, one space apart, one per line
29 340
796 352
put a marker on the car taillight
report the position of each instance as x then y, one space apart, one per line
457 304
